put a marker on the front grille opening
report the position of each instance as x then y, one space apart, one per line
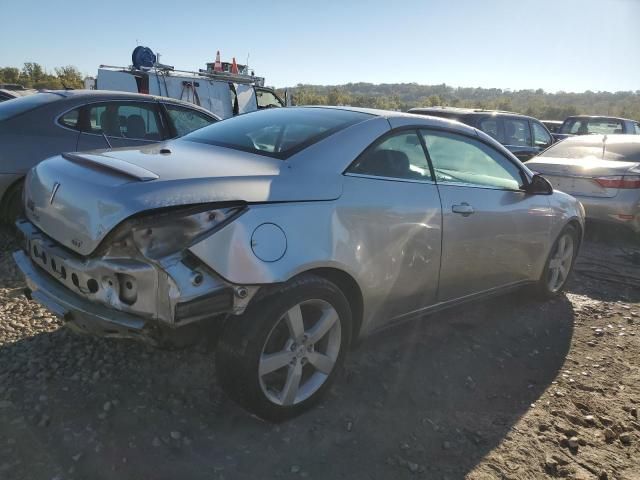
74 279
63 273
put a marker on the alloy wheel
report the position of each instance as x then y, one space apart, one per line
300 352
560 262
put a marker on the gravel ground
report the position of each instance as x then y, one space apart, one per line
508 389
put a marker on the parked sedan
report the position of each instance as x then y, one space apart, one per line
38 126
295 231
523 136
11 93
596 125
602 171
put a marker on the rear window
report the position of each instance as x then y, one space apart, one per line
591 126
567 149
277 132
613 150
627 151
17 106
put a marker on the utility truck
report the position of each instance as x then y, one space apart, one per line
225 89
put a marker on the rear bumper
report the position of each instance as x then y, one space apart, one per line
85 291
84 314
617 210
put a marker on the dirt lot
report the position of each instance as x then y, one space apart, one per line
506 389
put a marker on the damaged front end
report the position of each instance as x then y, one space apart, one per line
141 281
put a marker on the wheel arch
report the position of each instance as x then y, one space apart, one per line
351 290
575 223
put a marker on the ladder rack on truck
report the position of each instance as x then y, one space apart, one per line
218 88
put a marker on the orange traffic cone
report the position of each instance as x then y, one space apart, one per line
217 67
234 66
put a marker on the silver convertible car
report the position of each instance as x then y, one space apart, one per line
296 231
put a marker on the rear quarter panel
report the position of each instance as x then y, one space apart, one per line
32 137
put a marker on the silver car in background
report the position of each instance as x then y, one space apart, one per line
294 230
43 124
602 171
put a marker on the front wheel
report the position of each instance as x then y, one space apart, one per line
560 263
281 356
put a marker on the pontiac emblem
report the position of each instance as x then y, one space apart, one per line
54 190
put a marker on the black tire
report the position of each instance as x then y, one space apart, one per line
12 207
543 288
244 338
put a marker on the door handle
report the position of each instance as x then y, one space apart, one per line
464 209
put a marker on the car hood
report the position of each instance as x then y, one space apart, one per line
78 198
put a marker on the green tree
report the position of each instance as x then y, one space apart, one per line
32 73
69 77
9 75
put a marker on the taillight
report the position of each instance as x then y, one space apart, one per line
628 181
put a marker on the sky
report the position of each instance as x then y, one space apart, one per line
569 45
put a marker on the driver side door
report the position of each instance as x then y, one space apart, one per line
493 233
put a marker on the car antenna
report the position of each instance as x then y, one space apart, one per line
106 139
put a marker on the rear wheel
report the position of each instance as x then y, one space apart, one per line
11 207
281 356
560 263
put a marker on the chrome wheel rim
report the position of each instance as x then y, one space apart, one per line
560 263
300 352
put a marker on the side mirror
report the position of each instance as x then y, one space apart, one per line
538 185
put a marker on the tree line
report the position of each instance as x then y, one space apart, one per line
33 75
398 96
536 103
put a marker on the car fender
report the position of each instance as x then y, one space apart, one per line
268 244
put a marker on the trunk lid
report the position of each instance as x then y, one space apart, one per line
77 199
576 176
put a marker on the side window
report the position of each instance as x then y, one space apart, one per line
398 156
578 127
132 120
636 127
186 120
71 119
462 160
491 126
266 99
541 137
516 132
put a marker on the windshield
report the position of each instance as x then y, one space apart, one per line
628 150
277 132
589 126
16 106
